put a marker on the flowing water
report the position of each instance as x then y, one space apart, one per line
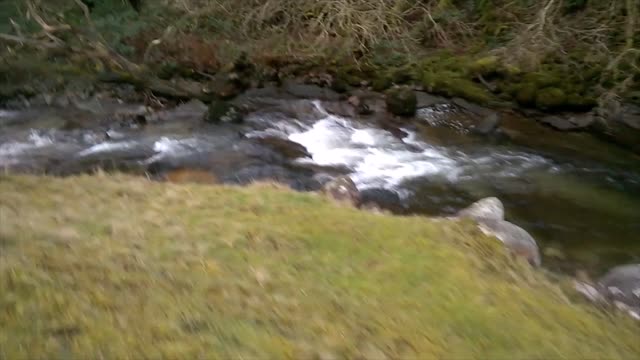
583 210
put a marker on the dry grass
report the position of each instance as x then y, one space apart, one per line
119 267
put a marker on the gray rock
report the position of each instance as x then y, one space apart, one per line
340 108
471 107
288 148
619 287
310 91
622 284
620 124
569 123
515 238
380 198
426 100
489 213
192 110
342 189
487 208
256 99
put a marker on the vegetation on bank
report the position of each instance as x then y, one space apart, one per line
552 54
120 267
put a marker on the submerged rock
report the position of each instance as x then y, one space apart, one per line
401 101
287 148
342 189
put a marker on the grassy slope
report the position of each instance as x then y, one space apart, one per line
121 267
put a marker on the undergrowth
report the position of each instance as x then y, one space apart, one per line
588 47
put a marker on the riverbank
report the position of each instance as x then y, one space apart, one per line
120 266
553 56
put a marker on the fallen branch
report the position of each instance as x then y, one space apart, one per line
157 86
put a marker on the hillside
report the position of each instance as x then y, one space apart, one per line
120 267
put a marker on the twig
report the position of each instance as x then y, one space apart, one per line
28 41
16 28
632 14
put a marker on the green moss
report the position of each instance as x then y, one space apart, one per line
468 90
401 101
550 99
485 66
450 84
542 79
119 267
381 83
526 94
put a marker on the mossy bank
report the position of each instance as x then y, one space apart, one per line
554 56
120 267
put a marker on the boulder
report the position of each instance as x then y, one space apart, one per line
515 238
401 101
339 108
487 208
489 214
461 116
619 287
380 198
620 124
360 105
622 284
342 189
424 100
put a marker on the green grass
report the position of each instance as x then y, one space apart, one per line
120 267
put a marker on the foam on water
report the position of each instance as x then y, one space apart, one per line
11 152
108 146
8 114
377 158
167 147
